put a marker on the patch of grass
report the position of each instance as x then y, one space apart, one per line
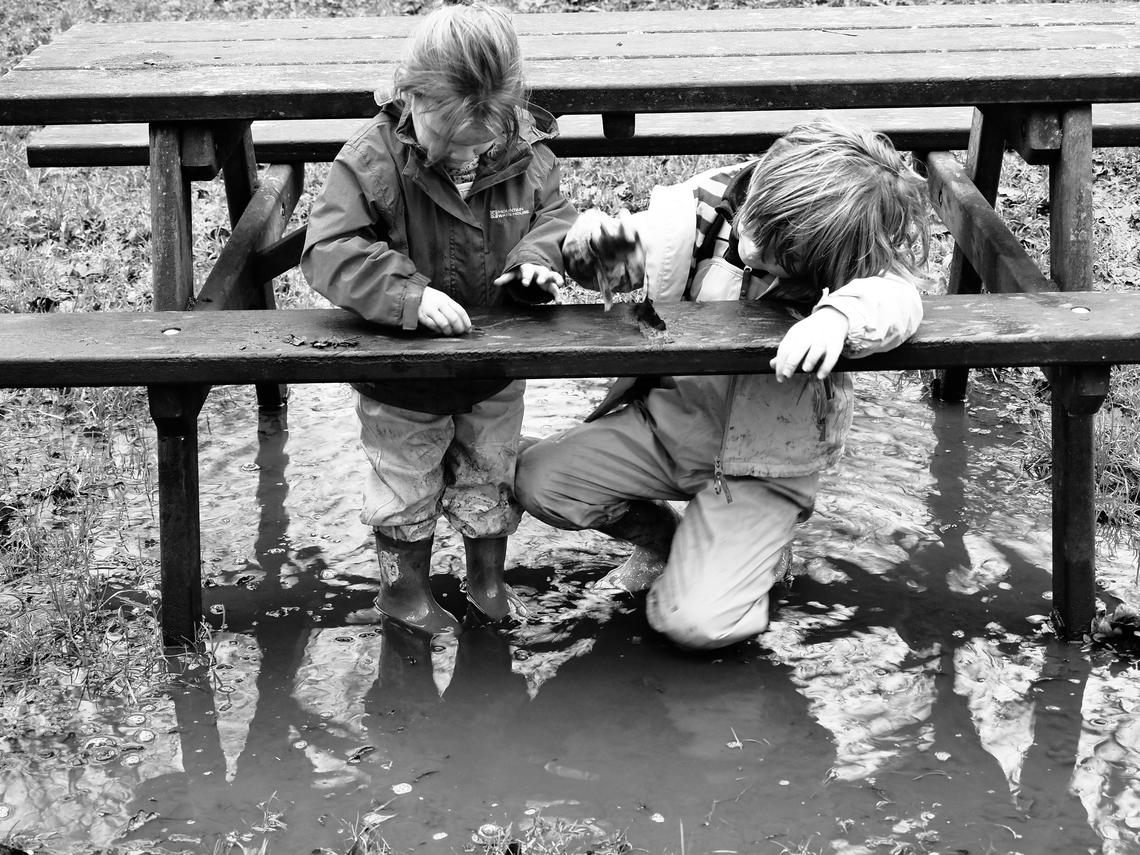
537 835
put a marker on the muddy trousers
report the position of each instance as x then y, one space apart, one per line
724 556
424 465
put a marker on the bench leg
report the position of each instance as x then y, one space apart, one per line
1074 517
983 166
175 413
1074 402
172 272
239 174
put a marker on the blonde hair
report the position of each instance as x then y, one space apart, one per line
832 202
465 62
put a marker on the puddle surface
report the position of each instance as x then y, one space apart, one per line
905 694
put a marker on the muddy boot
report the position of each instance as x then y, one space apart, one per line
650 527
489 599
405 595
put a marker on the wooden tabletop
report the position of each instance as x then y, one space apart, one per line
589 62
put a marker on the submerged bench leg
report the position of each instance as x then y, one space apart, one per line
1077 394
983 166
175 413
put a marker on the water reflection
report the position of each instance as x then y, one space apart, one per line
907 692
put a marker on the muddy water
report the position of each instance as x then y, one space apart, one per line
907 693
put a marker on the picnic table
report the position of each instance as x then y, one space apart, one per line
1031 73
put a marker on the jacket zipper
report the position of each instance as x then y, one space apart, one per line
719 482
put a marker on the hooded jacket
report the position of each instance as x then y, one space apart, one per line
772 429
386 225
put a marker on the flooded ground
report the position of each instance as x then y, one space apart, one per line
908 697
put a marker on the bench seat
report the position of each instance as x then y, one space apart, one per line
318 140
332 345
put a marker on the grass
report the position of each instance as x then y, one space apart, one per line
78 585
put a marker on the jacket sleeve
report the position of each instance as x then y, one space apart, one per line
552 218
347 257
883 311
668 231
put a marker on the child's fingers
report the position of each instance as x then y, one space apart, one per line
446 320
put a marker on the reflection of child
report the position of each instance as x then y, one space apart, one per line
830 223
449 198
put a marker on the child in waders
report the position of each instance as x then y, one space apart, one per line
448 199
830 224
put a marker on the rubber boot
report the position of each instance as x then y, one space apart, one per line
488 597
405 595
650 527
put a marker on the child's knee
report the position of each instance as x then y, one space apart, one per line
705 624
541 484
532 481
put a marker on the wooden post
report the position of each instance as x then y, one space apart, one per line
175 411
171 239
1076 393
983 166
239 173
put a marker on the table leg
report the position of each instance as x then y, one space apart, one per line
172 274
983 166
175 411
1074 492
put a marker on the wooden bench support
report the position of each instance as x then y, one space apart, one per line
172 270
982 242
240 176
175 412
1074 402
983 168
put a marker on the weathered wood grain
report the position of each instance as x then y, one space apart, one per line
675 84
696 43
316 345
619 62
319 140
908 18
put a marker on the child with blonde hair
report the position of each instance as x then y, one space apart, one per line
448 199
829 224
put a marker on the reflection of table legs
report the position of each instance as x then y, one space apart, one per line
178 155
1061 137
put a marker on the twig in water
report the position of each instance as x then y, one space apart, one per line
932 772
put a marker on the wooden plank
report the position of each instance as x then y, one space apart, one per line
695 43
319 140
1070 202
172 271
1030 17
268 221
570 86
319 345
231 283
980 234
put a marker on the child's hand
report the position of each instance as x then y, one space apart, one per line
605 252
813 344
533 275
439 313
